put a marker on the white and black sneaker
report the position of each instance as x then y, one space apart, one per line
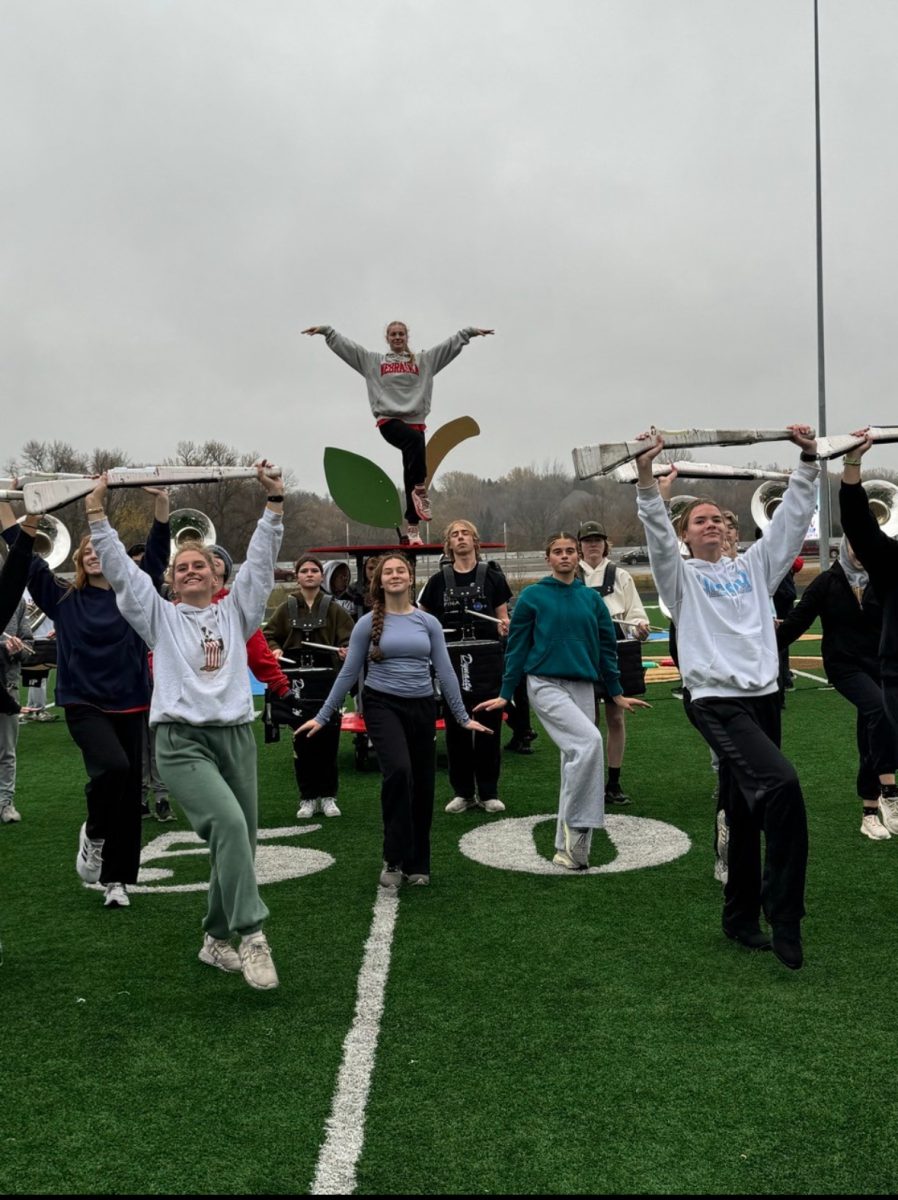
116 896
89 860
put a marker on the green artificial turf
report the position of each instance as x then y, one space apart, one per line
590 1035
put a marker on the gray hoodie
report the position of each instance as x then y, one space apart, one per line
725 632
398 387
199 654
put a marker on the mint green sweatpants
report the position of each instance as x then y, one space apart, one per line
211 771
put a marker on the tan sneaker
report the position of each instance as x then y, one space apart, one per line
256 962
492 806
218 953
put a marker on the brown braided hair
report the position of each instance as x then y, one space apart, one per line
378 609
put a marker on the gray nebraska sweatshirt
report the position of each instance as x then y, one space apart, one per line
398 387
185 689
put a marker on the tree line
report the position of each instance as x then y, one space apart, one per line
519 508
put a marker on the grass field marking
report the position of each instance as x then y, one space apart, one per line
509 845
274 864
339 1155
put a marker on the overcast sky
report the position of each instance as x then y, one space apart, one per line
624 189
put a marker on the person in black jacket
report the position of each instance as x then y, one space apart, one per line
879 555
851 617
13 578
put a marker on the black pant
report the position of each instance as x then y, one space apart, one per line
111 745
315 762
403 732
474 758
876 739
414 460
760 791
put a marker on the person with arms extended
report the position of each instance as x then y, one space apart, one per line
400 387
397 644
202 711
463 588
729 663
562 639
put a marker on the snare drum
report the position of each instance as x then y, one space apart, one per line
309 688
478 664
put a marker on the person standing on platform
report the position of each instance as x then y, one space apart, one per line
466 586
400 386
631 626
562 639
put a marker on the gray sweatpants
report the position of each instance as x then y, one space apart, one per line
567 710
9 736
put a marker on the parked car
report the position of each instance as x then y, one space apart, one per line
639 555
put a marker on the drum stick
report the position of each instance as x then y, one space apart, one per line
319 646
652 628
483 616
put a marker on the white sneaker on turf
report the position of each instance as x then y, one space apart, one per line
459 804
328 806
391 877
116 896
576 845
9 814
256 962
89 859
418 879
216 952
307 809
563 859
888 810
493 806
873 828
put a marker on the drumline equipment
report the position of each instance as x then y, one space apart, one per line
309 688
478 665
882 497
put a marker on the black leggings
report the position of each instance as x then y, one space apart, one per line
760 792
111 745
474 758
402 729
414 461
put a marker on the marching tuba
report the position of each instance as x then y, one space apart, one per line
190 525
882 497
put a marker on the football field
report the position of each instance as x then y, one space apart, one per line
509 1029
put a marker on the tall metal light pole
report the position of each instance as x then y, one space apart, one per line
825 507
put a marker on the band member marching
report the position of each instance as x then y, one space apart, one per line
562 639
202 710
463 595
312 616
631 625
729 663
400 385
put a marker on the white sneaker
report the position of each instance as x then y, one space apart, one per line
494 805
117 896
307 809
329 806
390 876
256 962
888 810
576 846
9 814
721 870
873 828
460 804
89 860
221 954
563 859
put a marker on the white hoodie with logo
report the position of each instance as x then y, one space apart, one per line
725 633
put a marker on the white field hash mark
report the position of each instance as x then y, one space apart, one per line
338 1157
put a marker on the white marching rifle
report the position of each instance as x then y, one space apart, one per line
629 473
605 457
45 496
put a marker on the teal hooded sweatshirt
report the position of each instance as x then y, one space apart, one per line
564 631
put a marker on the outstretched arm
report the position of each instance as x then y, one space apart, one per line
440 356
351 352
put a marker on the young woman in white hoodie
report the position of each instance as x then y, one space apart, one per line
202 712
729 664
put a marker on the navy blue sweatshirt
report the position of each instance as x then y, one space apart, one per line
100 659
13 577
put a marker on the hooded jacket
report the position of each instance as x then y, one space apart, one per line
564 631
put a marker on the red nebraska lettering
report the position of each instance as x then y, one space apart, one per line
398 368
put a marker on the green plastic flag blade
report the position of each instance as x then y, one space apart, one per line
361 489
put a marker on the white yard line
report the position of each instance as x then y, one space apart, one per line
338 1157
